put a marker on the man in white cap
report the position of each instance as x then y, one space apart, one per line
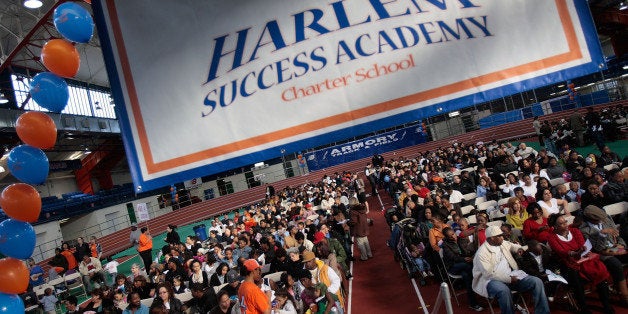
495 274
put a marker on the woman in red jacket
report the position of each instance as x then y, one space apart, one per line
568 245
536 227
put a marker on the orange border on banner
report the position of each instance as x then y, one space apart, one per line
574 53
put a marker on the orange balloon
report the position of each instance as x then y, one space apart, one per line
36 129
61 57
21 201
13 276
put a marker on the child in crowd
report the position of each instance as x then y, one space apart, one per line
455 223
561 190
417 251
575 191
322 301
49 301
112 269
508 234
178 286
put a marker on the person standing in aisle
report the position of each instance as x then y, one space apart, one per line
134 237
536 124
360 227
145 247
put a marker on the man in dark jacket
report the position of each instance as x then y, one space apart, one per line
458 262
360 227
202 301
616 190
81 249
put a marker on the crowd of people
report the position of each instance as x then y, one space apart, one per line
305 233
540 232
302 234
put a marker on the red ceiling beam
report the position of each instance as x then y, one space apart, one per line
26 41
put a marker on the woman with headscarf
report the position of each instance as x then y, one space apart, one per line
603 234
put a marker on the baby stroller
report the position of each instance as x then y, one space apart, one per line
393 211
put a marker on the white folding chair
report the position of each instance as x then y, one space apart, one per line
572 207
218 288
570 219
276 277
469 169
557 181
266 268
40 290
486 205
495 223
451 278
566 184
466 210
469 196
184 297
610 167
515 295
479 200
74 281
502 201
616 209
516 173
472 220
147 302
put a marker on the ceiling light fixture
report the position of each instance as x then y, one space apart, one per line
623 6
3 99
33 4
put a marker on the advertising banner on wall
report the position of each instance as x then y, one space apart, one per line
206 86
366 147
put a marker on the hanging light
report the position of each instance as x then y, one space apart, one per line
3 99
623 5
33 4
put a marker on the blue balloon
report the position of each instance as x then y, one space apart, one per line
28 164
11 303
50 91
17 239
74 22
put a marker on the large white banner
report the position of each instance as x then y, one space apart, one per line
205 86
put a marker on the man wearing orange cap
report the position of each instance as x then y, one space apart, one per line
252 299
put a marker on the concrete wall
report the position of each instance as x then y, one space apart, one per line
107 220
48 238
